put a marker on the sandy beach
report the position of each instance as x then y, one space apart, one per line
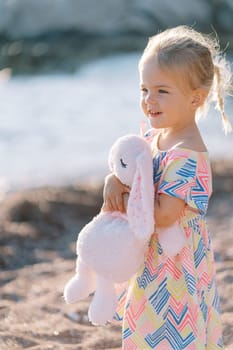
38 231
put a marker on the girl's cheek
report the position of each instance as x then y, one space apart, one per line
143 106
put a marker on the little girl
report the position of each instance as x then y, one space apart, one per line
172 302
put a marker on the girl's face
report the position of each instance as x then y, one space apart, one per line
164 98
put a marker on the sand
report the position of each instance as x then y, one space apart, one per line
37 256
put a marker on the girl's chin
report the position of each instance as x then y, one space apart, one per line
155 122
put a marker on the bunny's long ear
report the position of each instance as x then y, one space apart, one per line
140 208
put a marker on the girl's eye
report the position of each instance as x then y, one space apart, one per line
143 89
161 91
124 165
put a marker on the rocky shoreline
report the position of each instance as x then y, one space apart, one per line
37 256
68 51
63 51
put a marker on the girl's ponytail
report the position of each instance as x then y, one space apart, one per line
221 87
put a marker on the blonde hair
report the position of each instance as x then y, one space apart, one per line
199 61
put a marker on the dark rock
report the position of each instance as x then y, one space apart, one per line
47 219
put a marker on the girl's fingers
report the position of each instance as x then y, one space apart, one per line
107 205
125 198
119 204
113 205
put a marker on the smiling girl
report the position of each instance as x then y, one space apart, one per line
172 302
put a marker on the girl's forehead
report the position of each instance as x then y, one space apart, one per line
152 74
151 71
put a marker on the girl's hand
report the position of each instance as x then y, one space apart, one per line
113 194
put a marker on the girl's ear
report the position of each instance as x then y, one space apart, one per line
198 97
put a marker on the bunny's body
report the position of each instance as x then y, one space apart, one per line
104 260
109 259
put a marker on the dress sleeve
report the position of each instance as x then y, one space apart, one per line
180 179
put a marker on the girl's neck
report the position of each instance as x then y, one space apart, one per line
187 136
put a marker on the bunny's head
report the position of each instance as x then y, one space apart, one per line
130 159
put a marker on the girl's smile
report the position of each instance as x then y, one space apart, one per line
154 114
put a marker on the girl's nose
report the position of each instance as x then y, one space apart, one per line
150 98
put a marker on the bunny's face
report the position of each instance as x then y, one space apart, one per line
123 156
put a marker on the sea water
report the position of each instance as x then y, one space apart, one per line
57 129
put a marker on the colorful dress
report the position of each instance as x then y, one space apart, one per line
172 303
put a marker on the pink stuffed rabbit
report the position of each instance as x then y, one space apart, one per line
111 247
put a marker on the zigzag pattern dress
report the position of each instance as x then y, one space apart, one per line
172 303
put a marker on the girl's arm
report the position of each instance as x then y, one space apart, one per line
167 210
114 194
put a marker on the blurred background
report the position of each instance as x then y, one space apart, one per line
68 88
69 81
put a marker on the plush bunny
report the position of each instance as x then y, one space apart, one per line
111 247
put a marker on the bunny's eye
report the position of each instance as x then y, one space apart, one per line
124 165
